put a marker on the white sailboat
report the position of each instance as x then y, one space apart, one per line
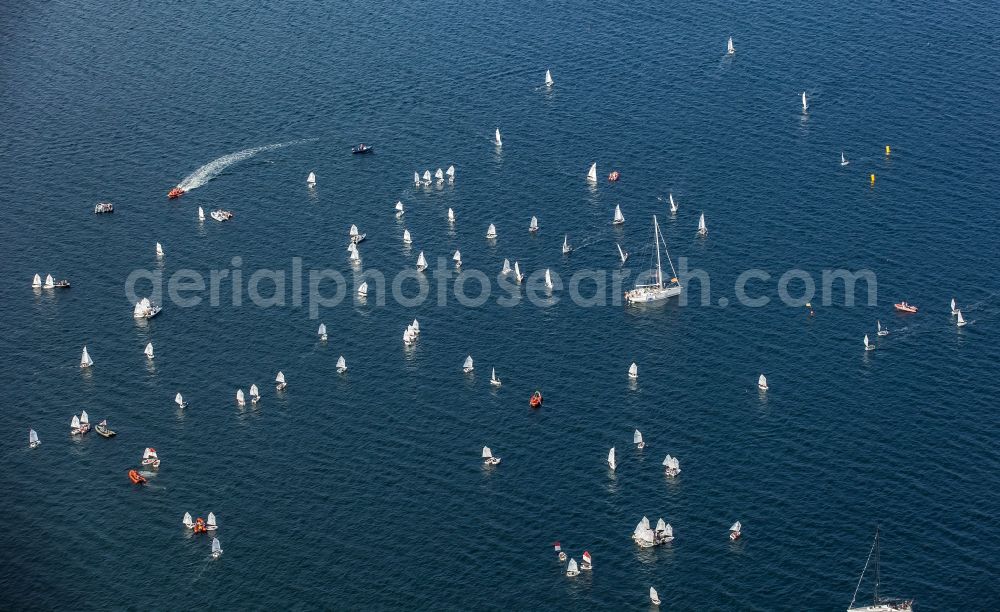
659 289
148 350
421 262
548 78
548 279
450 173
954 306
673 205
633 371
762 382
619 217
399 208
427 177
664 532
84 422
457 258
416 179
868 346
533 225
491 232
882 331
488 457
279 382
341 365
451 216
50 282
407 239
321 332
637 439
572 569
493 378
240 399
506 267
355 255
621 254
517 273
843 160
216 548
311 179
654 597
879 604
150 458
85 360
961 320
439 175
735 531
74 426
702 228
33 441
416 326
730 49
201 213
496 138
37 281
211 525
254 393
592 173
805 105
566 248
363 289
671 466
179 400
187 521
408 336
159 250
467 366
611 459
643 535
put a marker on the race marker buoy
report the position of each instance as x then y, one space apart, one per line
887 150
873 178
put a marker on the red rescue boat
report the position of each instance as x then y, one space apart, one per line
904 307
175 193
536 400
136 477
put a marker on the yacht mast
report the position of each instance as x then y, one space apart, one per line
656 238
878 572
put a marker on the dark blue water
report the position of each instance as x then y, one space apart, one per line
366 490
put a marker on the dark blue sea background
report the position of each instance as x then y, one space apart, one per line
366 490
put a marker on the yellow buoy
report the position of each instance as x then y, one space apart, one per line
887 150
873 178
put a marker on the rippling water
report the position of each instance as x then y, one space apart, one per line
365 490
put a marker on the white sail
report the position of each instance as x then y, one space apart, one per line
321 332
517 272
179 400
450 172
496 138
729 47
149 453
427 176
565 247
762 382
187 521
866 340
548 78
33 437
843 160
702 228
493 376
633 371
506 267
451 216
240 399
961 320
666 460
954 306
878 327
571 568
84 418
491 231
353 231
341 364
159 250
611 458
85 360
211 521
280 378
622 254
736 527
399 207
636 437
661 525
416 178
653 596
457 257
363 289
216 547
439 174
645 523
37 281
467 366
49 281
421 262
75 423
673 205
805 105
355 256
254 392
416 326
548 278
201 213
406 237
487 453
311 179
619 217
592 173
668 531
533 226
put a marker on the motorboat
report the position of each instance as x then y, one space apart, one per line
136 477
536 399
175 193
904 307
103 430
362 149
104 208
61 284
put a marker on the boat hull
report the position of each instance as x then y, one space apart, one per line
643 295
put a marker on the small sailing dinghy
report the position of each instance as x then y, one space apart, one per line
658 290
643 536
637 439
548 279
254 393
451 216
408 336
730 49
426 177
321 332
356 236
150 458
868 345
311 179
159 250
505 269
33 441
702 228
212 525
406 237
960 322
496 138
762 382
85 360
84 422
611 459
671 466
633 371
450 173
439 175
517 273
421 262
843 160
566 248
279 382
673 205
103 430
145 309
548 78
619 217
805 105
588 563
882 331
735 531
240 398
187 521
74 426
50 283
179 400
354 256
416 327
879 604
954 306
592 173
216 548
399 207
622 254
572 569
664 533
559 551
416 179
493 378
341 365
491 232
488 458
37 282
457 258
148 351
654 597
533 225
363 289
467 367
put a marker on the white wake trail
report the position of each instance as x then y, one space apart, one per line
215 167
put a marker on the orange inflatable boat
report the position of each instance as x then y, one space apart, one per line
136 477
